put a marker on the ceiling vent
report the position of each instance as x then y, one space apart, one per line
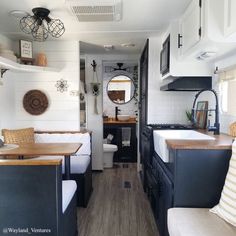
95 10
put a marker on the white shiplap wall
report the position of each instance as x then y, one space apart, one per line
63 110
6 94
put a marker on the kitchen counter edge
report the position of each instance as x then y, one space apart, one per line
222 141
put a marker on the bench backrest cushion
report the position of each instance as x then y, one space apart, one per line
226 208
83 138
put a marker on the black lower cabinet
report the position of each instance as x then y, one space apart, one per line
146 147
152 190
165 200
160 194
192 178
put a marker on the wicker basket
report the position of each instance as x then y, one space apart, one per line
232 129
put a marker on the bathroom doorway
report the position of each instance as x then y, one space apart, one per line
120 109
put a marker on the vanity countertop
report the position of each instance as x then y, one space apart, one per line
221 141
113 121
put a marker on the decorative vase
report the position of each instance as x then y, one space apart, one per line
41 59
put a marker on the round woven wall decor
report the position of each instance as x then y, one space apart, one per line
35 102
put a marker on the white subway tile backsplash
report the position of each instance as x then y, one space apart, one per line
164 106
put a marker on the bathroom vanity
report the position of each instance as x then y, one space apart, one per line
124 136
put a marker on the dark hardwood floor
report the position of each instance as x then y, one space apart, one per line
118 206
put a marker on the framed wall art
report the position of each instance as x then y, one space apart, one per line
26 49
201 114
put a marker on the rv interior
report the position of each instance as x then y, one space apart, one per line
118 117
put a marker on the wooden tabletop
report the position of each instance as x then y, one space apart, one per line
43 149
221 141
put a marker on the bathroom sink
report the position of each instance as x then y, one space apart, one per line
123 117
160 137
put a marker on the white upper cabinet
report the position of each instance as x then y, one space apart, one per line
177 67
190 26
229 17
208 29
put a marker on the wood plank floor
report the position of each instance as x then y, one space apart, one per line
114 210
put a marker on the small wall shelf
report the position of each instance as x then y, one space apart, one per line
6 64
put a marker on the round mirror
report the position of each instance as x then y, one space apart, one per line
120 89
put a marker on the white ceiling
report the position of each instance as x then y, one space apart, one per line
140 20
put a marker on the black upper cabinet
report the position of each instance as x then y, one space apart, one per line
165 57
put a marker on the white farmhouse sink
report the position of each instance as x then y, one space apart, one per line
160 137
123 117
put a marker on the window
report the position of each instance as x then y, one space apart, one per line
228 92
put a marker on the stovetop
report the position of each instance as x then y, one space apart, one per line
169 126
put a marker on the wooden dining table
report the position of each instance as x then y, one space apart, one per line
44 149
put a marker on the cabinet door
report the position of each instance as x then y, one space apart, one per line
229 17
126 153
165 200
152 193
191 26
143 91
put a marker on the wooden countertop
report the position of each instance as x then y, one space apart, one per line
131 121
31 162
221 141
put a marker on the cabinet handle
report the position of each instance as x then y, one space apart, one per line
179 40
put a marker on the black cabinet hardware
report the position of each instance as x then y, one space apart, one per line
180 40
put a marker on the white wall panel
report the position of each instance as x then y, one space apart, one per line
63 109
6 91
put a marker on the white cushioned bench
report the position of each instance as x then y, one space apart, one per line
81 166
68 190
197 222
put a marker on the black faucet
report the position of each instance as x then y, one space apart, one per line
216 127
116 112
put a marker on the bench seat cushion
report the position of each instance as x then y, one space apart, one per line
197 221
79 163
68 190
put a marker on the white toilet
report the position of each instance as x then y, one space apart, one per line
108 152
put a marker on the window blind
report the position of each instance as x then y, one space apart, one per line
228 91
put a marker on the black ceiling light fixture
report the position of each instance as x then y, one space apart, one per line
40 25
119 67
